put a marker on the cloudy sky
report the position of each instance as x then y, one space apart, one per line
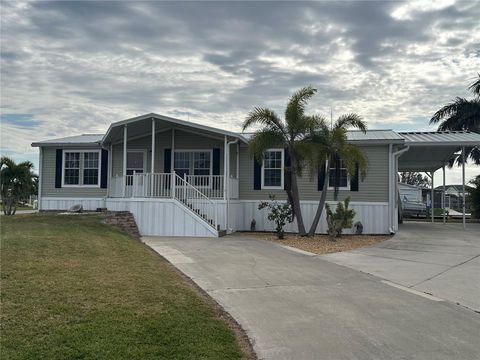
74 67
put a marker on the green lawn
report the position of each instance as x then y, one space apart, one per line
73 288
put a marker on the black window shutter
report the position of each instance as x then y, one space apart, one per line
104 170
216 162
338 163
58 169
167 161
354 180
321 176
287 181
257 175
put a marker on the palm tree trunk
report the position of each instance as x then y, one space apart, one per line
321 203
296 205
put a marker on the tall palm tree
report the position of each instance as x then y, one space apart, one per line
16 183
330 144
289 134
462 114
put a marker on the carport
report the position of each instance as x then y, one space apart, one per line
430 151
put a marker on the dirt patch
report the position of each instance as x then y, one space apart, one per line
320 244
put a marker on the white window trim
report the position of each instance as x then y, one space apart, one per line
81 168
144 151
340 187
282 172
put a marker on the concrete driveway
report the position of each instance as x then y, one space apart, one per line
297 306
442 260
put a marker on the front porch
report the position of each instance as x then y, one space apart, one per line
159 185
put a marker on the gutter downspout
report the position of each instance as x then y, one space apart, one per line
227 184
394 183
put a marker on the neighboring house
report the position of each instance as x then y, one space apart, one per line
453 196
180 178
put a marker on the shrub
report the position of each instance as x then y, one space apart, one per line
280 213
340 219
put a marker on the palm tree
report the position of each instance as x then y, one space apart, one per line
16 183
462 114
289 134
330 144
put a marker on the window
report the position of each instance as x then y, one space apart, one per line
343 182
72 168
90 168
201 163
81 168
181 163
196 162
272 169
135 162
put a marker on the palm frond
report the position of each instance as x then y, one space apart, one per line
296 108
475 87
263 116
263 140
351 121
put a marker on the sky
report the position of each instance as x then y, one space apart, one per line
73 67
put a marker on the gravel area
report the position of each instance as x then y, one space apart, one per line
320 244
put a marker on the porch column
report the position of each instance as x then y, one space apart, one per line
463 187
152 166
110 170
443 194
124 170
433 199
226 168
238 161
172 164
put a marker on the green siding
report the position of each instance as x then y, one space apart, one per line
374 188
48 178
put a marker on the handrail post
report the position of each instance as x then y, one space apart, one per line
134 185
185 187
174 180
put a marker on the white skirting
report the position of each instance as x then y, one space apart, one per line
163 217
372 215
167 217
64 203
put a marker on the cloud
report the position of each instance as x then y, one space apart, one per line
21 120
80 65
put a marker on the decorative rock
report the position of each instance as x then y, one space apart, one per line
77 208
358 226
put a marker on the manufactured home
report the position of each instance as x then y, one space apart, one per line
180 178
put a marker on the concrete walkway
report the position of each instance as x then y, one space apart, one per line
442 260
296 306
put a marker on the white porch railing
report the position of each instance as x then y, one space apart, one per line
158 185
196 201
210 185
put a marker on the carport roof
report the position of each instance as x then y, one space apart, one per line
429 151
435 138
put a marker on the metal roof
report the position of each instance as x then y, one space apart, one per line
371 136
84 139
443 138
374 135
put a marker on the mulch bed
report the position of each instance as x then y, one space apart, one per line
320 244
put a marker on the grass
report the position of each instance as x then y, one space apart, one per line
321 244
73 288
